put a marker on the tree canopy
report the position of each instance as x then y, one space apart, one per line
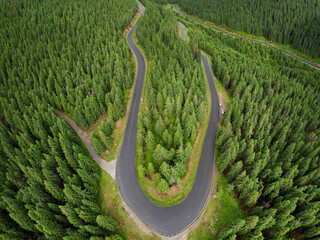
175 100
294 22
71 56
269 143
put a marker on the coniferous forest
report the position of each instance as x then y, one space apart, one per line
288 22
72 57
269 144
175 96
58 55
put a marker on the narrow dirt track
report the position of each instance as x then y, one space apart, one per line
109 167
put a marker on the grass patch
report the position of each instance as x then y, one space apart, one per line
222 209
180 192
187 35
248 35
111 204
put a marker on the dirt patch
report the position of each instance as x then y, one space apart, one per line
119 123
132 22
223 102
105 153
117 130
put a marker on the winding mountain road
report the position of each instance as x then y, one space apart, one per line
166 221
231 34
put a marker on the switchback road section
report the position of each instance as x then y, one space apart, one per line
166 221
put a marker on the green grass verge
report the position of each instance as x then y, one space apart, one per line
222 209
182 191
111 203
248 35
187 35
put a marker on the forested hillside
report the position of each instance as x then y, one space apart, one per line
70 56
174 99
288 22
269 143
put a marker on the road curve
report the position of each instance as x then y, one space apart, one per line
253 40
166 221
183 31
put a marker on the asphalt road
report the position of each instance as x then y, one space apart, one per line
167 221
253 40
183 31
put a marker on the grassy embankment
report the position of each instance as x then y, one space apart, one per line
111 204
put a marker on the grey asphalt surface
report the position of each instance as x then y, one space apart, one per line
167 221
253 40
183 31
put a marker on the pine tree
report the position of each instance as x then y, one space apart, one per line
98 146
163 186
107 222
160 127
150 141
235 170
177 139
167 137
166 171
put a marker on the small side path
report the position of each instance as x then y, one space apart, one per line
183 31
109 167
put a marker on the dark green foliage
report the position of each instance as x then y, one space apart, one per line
57 54
77 62
107 223
288 22
176 94
269 144
97 144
